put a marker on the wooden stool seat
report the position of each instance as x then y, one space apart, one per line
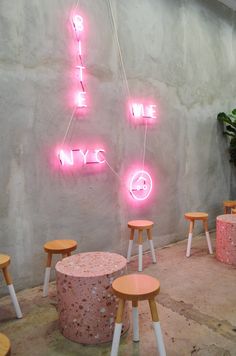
63 247
192 217
196 216
229 204
136 287
4 263
60 246
140 225
5 345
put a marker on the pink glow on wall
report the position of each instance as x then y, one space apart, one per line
80 99
139 110
140 185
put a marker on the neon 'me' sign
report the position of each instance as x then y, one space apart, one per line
139 110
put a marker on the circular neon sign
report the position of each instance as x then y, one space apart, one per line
140 186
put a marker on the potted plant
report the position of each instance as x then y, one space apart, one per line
229 126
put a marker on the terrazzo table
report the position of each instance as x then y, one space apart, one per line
226 238
86 305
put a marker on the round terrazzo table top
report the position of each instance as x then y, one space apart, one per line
227 218
91 264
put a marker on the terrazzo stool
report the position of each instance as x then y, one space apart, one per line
226 238
86 304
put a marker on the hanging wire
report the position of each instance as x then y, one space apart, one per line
119 48
68 127
144 144
112 169
125 76
74 109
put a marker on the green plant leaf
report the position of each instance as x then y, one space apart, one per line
222 117
233 117
234 112
231 129
228 134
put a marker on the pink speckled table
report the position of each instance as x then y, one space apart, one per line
226 238
86 305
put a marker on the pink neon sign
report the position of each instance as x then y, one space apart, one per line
140 185
139 111
77 155
78 24
80 96
80 99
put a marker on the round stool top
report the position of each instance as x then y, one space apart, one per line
60 246
4 260
230 203
196 216
91 264
136 287
5 345
233 211
140 224
227 218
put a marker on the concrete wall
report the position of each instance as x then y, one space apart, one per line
181 53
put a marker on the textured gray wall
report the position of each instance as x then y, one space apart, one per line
182 53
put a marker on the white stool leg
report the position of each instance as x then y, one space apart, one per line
205 223
149 234
159 338
116 339
15 301
135 321
152 251
209 242
157 328
140 258
118 327
46 281
190 236
129 250
140 251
